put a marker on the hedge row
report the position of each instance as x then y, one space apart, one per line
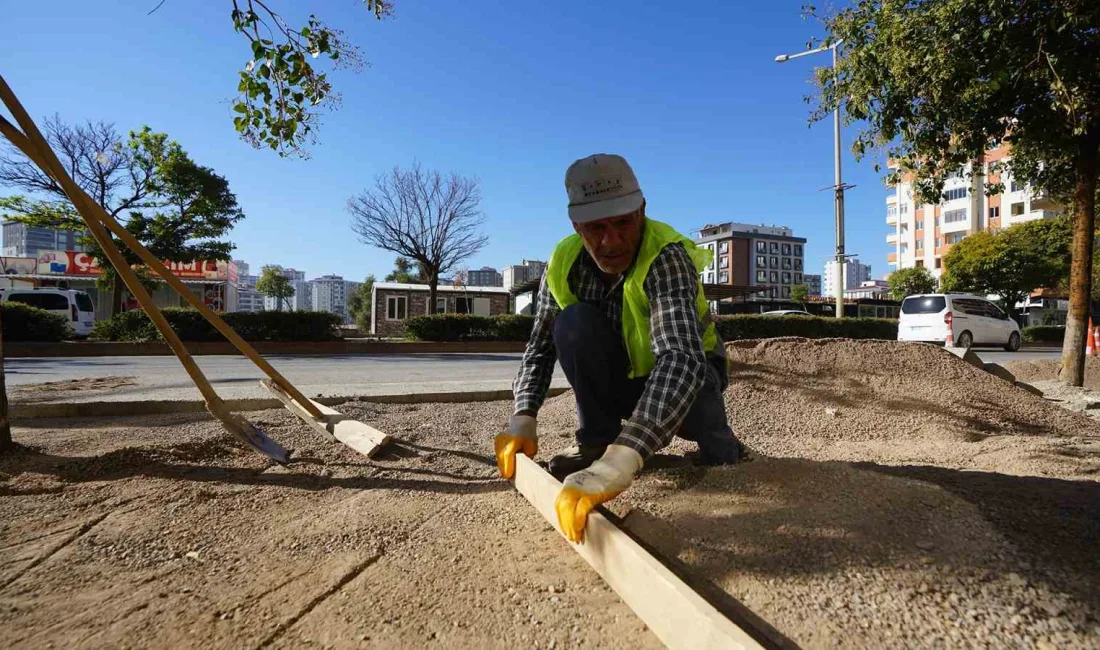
26 323
252 326
466 327
752 326
463 327
1044 334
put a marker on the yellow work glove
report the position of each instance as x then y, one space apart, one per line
604 480
521 436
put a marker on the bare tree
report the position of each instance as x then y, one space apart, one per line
423 215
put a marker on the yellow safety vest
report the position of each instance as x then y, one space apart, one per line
636 309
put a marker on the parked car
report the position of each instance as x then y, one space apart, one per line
75 306
787 312
971 320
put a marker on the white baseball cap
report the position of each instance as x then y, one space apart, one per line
600 186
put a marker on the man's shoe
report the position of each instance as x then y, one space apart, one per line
732 455
575 459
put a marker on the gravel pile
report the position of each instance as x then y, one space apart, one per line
1047 370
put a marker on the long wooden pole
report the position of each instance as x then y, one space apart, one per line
44 157
150 260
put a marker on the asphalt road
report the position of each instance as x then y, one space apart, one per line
162 378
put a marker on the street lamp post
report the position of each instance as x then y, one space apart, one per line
838 188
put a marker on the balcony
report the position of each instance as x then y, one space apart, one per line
891 218
892 237
892 258
1042 201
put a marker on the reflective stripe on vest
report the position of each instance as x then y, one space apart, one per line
636 309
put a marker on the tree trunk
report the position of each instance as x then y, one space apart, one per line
1080 276
5 426
116 296
433 285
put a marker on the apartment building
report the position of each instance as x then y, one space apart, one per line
753 255
854 275
330 293
517 274
21 240
486 276
812 281
302 300
921 234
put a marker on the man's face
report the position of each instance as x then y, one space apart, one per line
612 242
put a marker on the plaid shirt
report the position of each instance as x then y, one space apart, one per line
675 336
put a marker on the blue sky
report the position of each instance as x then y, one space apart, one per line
508 92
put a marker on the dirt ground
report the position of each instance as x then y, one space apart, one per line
896 497
1047 370
52 390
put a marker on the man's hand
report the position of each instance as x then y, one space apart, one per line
588 488
521 436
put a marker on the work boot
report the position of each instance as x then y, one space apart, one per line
575 459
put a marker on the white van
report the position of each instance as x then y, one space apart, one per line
75 306
972 320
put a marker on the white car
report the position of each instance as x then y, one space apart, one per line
969 320
75 306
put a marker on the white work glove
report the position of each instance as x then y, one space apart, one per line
604 480
521 436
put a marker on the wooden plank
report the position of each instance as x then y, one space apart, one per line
679 616
363 438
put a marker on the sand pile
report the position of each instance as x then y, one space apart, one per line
1047 370
895 403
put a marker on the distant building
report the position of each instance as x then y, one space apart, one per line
486 276
855 274
813 282
21 240
330 293
769 257
877 289
302 300
518 274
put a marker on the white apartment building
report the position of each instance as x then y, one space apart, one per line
517 274
854 272
302 300
330 293
921 234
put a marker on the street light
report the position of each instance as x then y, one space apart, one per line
838 188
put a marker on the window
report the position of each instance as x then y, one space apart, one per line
1017 209
774 247
797 264
954 237
920 244
786 292
995 213
787 263
798 278
798 250
775 262
955 174
761 276
954 216
481 306
724 247
724 262
761 261
904 208
1017 187
395 307
920 264
786 278
761 247
918 224
724 277
928 305
47 301
462 305
774 276
937 242
440 305
937 220
786 249
957 193
939 262
84 303
891 211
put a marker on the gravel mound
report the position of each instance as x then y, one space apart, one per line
895 403
1047 370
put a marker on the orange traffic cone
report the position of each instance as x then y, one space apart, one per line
1090 348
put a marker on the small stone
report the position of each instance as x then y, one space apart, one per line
830 411
925 545
923 588
554 599
192 555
